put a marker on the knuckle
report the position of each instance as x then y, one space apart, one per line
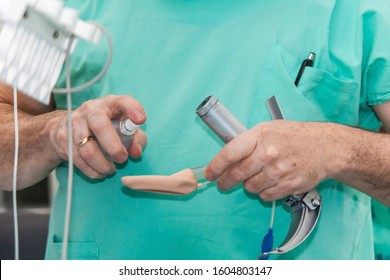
97 121
235 174
96 116
266 196
76 117
77 161
89 172
297 182
221 185
270 152
228 155
96 127
111 96
250 186
274 173
87 105
125 98
298 185
87 152
108 169
116 151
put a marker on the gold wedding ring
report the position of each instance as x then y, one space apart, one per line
84 141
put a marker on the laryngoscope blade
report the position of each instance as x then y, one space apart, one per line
304 217
305 208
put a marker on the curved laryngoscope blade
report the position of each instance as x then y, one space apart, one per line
305 211
305 208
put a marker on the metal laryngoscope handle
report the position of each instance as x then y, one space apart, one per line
305 208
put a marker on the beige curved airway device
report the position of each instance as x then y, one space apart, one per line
182 182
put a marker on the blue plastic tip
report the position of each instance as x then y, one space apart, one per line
267 245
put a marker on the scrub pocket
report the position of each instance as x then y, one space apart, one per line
76 250
320 95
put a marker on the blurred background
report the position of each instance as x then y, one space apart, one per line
33 206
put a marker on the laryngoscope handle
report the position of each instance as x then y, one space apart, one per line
219 119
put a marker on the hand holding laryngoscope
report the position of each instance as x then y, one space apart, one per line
266 158
304 207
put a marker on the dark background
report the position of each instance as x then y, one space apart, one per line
33 206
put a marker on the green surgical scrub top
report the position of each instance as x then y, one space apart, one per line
170 55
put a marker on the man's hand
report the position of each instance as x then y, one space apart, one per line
94 118
276 159
43 136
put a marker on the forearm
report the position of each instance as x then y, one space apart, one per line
37 157
363 160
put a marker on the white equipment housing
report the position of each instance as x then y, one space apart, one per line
34 36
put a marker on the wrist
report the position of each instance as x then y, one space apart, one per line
55 134
339 150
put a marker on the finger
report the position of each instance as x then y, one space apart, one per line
284 188
237 149
89 152
92 155
270 175
85 168
272 193
241 171
259 182
138 144
77 159
62 138
128 105
106 135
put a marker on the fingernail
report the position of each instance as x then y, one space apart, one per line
138 116
112 170
122 157
140 148
209 176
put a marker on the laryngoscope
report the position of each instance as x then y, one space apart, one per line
305 208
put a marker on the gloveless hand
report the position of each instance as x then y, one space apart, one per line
276 159
94 118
